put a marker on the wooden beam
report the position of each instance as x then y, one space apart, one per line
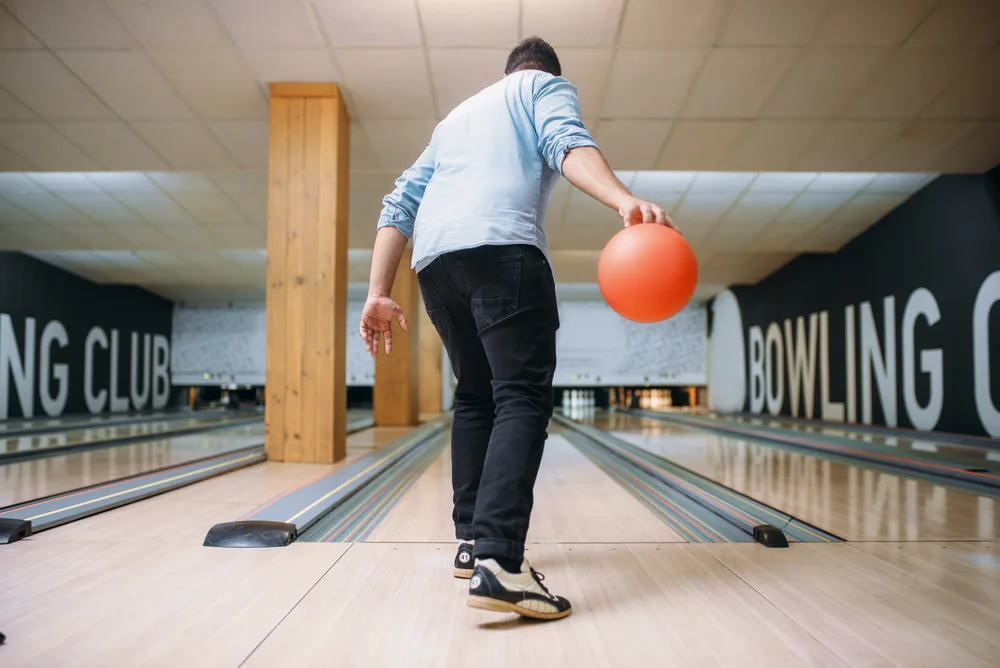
308 169
395 400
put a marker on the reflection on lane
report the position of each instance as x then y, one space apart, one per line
852 501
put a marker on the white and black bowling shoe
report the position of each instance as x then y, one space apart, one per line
493 588
463 561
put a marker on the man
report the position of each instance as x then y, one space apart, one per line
474 203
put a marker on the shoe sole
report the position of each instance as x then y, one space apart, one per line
493 605
463 573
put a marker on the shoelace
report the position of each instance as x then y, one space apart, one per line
539 578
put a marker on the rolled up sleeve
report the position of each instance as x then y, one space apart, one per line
399 208
557 120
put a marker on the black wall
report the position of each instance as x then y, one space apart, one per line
30 288
945 239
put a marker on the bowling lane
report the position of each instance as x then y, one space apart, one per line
575 502
30 479
45 424
917 445
854 502
33 444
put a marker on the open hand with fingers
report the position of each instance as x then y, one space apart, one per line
376 319
635 211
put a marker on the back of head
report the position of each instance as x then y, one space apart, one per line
534 53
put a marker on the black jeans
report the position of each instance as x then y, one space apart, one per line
495 309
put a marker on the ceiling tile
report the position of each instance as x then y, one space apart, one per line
362 156
246 141
587 69
910 81
730 183
479 24
959 23
572 22
12 110
234 183
215 84
185 182
44 237
772 22
72 24
102 208
155 207
651 84
872 23
781 182
461 73
49 209
97 237
756 209
63 182
210 207
703 208
841 182
397 144
41 82
812 208
889 184
632 144
975 152
171 24
266 24
387 83
143 237
772 145
821 83
18 184
843 145
13 35
582 210
127 82
11 162
11 214
972 95
254 205
651 24
735 83
391 23
185 144
298 65
915 145
123 182
701 145
112 144
231 237
42 146
650 183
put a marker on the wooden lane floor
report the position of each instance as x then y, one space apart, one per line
853 502
39 444
134 586
25 480
575 502
47 424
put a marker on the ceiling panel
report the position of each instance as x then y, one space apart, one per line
246 141
101 208
651 84
42 83
171 24
916 143
735 83
185 144
266 24
822 81
63 182
214 208
391 23
843 145
632 144
572 22
11 214
298 65
975 152
12 110
214 83
397 144
72 24
112 144
387 83
13 35
49 209
128 82
42 146
772 22
588 70
155 207
479 24
772 145
652 24
697 145
959 23
972 95
872 22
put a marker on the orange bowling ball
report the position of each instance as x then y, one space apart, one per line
647 273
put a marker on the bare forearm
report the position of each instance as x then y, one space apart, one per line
586 168
389 246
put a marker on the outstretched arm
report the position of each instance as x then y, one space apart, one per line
395 226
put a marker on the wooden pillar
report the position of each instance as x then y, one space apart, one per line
429 375
397 375
308 173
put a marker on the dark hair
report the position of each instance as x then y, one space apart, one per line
533 53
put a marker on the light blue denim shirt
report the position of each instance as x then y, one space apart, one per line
487 173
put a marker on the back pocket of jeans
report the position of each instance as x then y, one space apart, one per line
494 287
